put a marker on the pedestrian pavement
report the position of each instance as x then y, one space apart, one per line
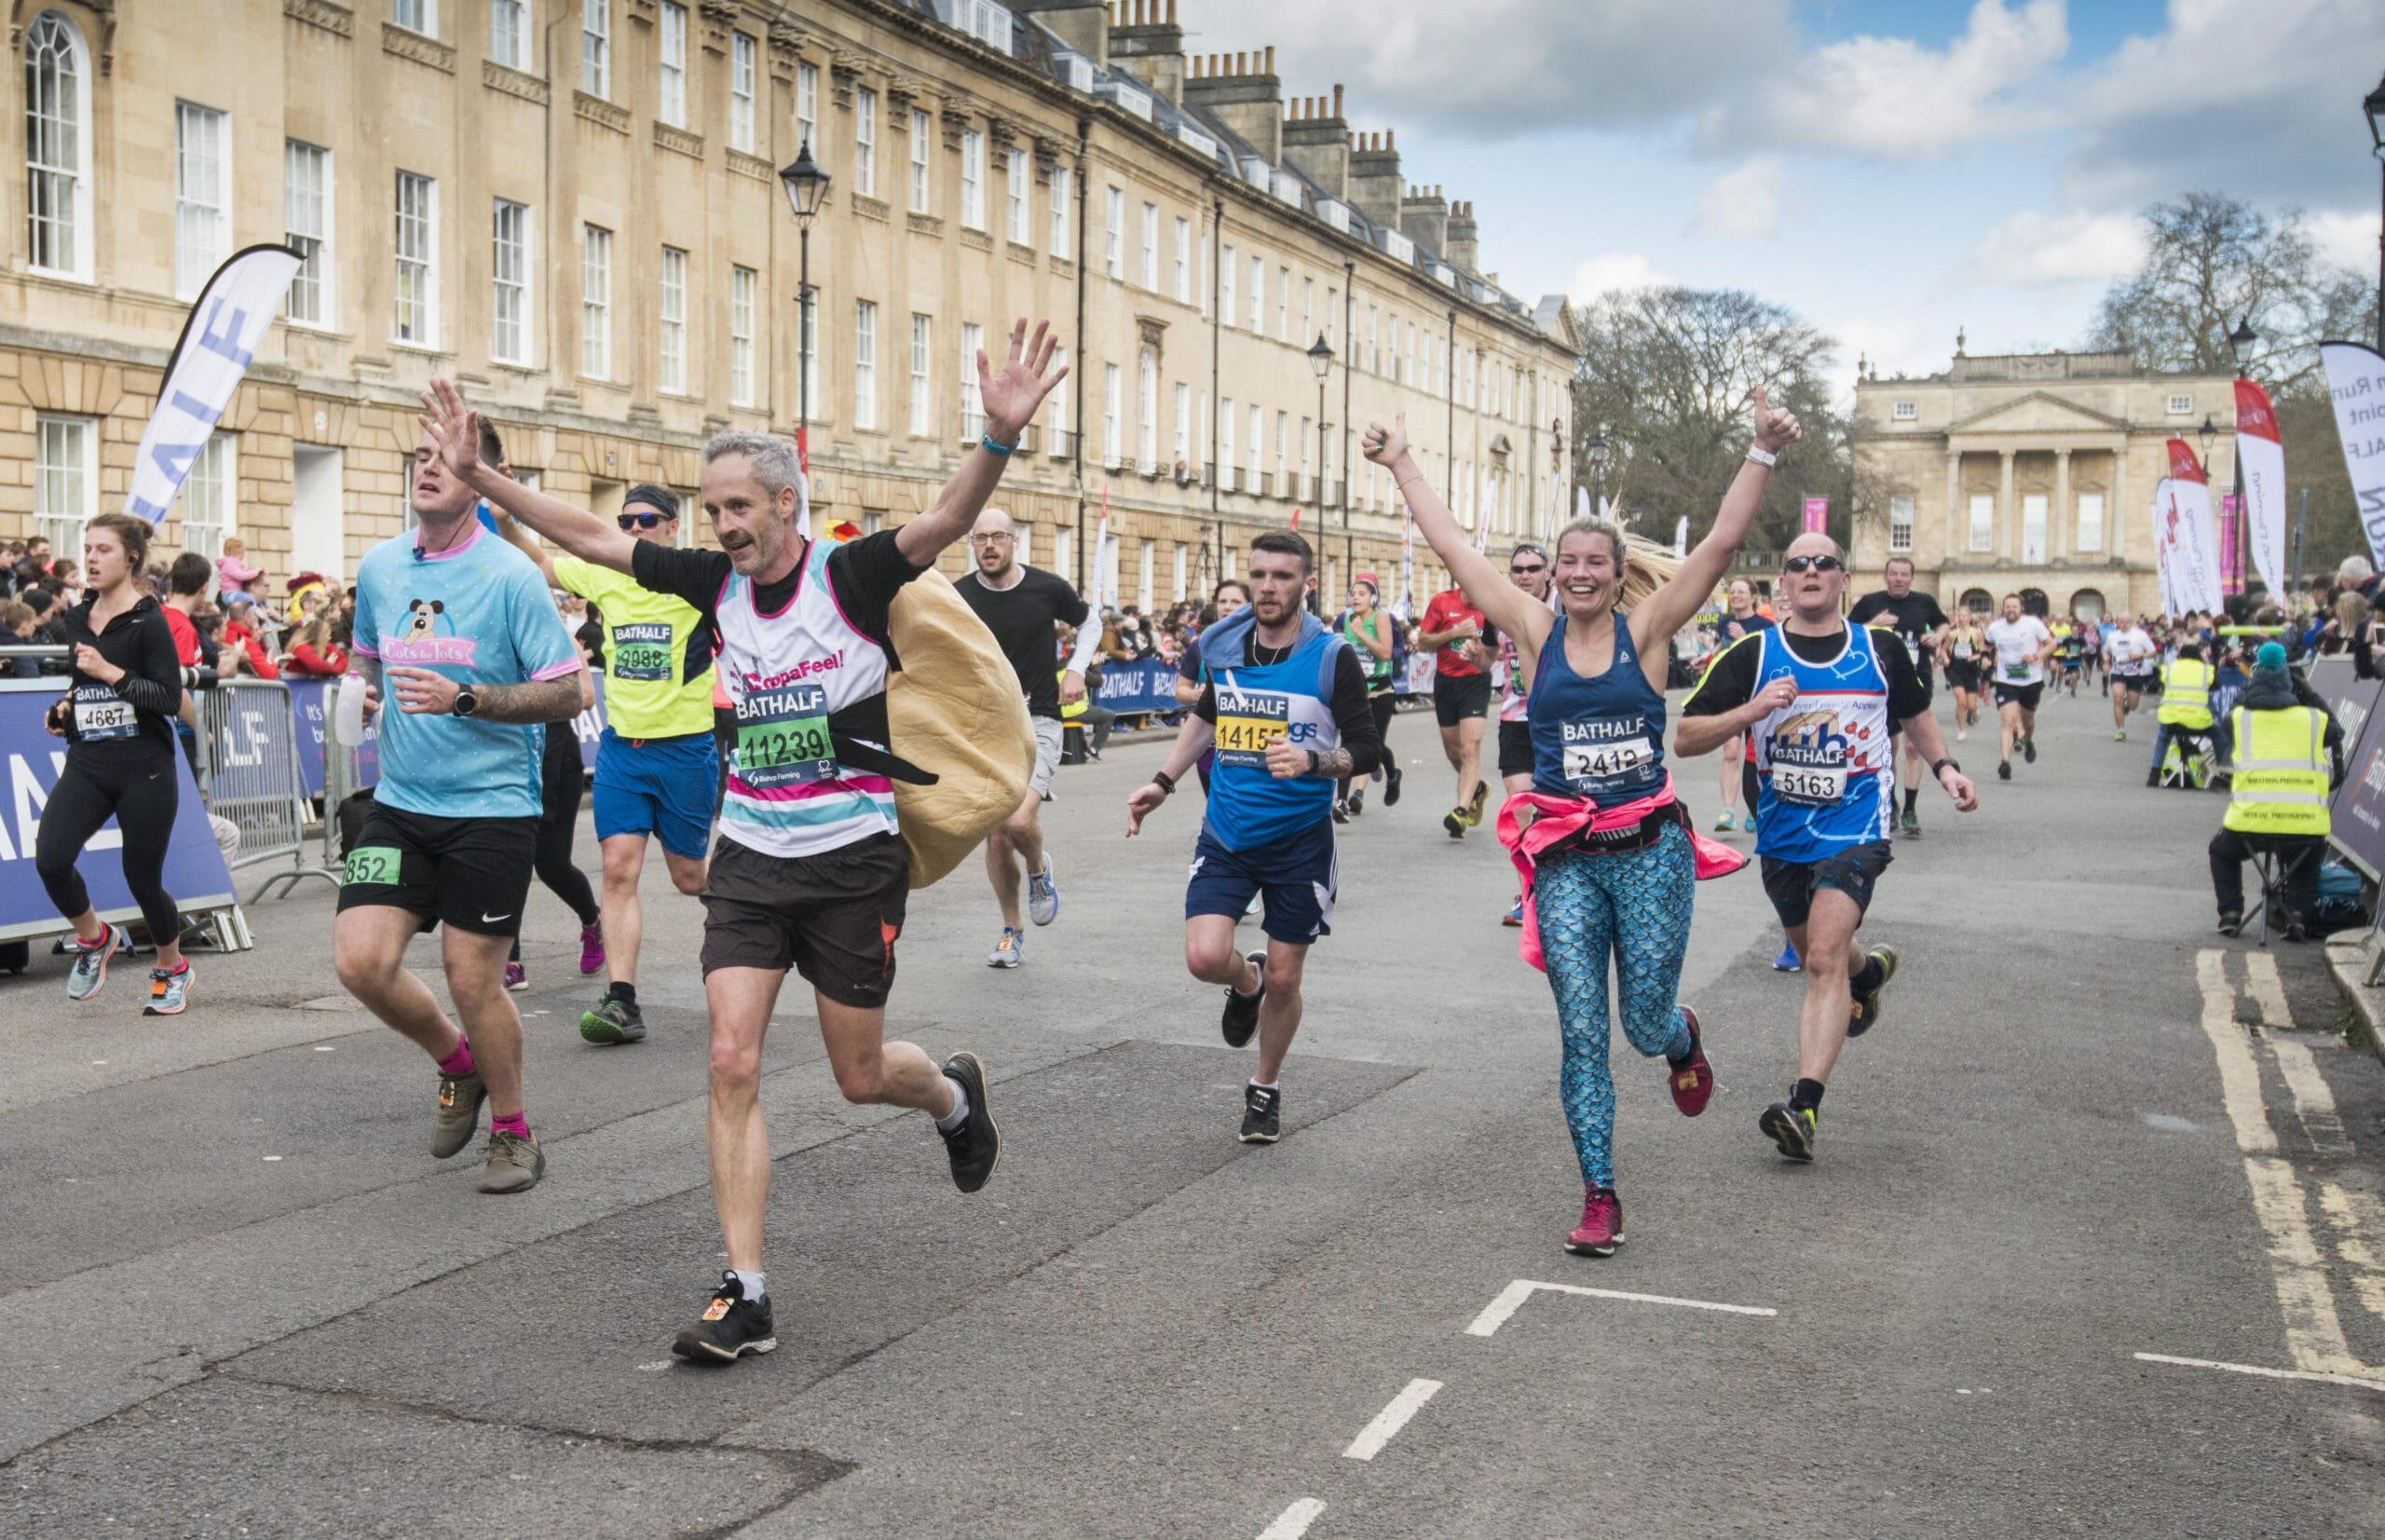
2095 1243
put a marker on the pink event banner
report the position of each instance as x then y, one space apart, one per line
2231 562
1817 515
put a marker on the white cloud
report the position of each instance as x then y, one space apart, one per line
2031 248
1892 97
2349 240
1743 204
1602 275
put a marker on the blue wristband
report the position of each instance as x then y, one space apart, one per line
990 447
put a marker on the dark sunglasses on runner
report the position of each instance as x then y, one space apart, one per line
1817 563
639 521
1524 571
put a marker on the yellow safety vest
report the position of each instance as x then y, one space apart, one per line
2281 786
2185 694
1071 710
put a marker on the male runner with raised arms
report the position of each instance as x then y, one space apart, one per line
657 756
1284 698
1920 625
810 870
1819 695
1020 605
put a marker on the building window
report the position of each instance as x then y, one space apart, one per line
58 147
420 16
1283 304
973 403
1062 181
1258 295
1183 262
306 225
596 46
1982 521
2091 521
973 179
1226 267
807 348
508 32
922 336
742 283
1112 389
66 481
1227 470
1899 525
200 173
595 302
1183 571
1905 410
672 51
1064 443
1308 466
2182 406
672 353
807 108
1147 413
1283 439
1150 247
417 255
1146 569
1113 232
205 495
1374 339
741 93
1019 188
1183 437
1308 307
865 364
510 274
1258 455
919 161
865 143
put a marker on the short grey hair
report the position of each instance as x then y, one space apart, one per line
774 465
2355 570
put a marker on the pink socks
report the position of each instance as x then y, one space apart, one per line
460 1062
518 1122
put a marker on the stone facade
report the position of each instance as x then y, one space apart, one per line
2029 473
1055 159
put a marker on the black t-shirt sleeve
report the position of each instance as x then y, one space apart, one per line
1907 696
1067 605
1932 617
1730 680
1867 608
692 576
1354 716
865 575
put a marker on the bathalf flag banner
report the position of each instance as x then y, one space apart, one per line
2356 380
2262 456
2164 535
1681 537
221 334
1817 515
2192 532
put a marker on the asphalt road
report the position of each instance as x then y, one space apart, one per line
236 1297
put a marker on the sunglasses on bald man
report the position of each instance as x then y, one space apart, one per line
1815 563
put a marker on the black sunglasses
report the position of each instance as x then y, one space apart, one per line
1536 566
1816 564
639 521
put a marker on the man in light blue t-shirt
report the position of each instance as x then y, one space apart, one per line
456 628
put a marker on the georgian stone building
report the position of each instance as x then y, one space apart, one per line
2029 473
573 208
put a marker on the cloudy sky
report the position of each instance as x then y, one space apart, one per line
1890 169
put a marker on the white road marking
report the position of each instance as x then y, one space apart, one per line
1293 1521
2239 1077
2360 1240
2269 991
2356 1380
1511 1298
2314 1105
1391 1419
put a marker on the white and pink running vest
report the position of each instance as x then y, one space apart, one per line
785 672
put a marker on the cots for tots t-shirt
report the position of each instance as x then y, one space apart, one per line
658 653
2016 644
480 614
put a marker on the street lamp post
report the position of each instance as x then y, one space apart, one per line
2240 346
806 184
2374 105
1320 363
1597 451
2207 432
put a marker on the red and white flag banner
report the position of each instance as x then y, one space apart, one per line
2193 532
2261 455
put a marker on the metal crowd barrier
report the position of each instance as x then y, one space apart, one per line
249 775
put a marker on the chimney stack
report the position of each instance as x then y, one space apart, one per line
1375 186
1241 88
1317 143
1461 248
1082 24
1151 46
1424 219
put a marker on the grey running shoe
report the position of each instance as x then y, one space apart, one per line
1042 895
1792 1128
515 1163
90 969
1007 950
612 1020
1262 1114
460 1114
169 992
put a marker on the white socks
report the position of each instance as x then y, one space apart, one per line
751 1284
959 1113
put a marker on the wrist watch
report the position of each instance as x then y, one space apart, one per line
1312 761
467 702
1940 767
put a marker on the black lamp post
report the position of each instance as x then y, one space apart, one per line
2208 432
2374 105
1597 452
806 184
1320 363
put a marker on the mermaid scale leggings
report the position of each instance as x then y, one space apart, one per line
1634 907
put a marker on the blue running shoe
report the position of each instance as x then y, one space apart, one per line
1787 962
1007 950
168 992
90 969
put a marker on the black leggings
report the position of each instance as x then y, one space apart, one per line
1384 706
140 793
558 824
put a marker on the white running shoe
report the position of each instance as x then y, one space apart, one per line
1043 896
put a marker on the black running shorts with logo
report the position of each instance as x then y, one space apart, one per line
1457 697
470 873
2023 696
1515 748
833 917
1853 871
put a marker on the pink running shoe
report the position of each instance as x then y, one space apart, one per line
516 979
591 948
1692 1083
1601 1228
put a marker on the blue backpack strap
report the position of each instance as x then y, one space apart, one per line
1327 659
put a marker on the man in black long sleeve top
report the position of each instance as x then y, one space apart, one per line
1284 698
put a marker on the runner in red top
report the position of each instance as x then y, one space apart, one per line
1453 629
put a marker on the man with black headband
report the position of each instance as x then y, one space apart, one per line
656 763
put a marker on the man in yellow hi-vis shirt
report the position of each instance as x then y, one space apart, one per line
2287 750
657 765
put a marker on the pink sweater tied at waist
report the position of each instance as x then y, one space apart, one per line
1559 819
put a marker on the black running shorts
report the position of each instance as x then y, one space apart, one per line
1853 871
473 873
1515 748
1457 697
2023 696
833 917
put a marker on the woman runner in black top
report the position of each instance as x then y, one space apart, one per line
122 695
